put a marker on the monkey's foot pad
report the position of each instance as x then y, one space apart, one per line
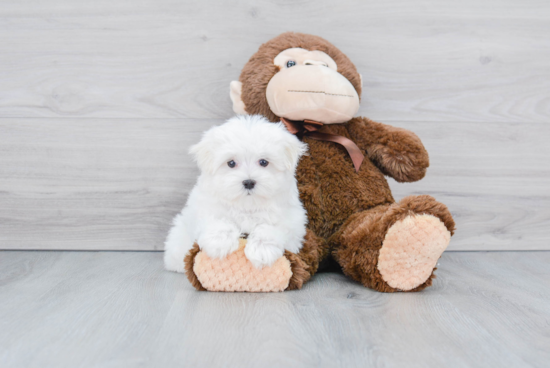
411 249
236 273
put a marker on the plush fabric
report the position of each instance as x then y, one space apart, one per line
229 274
352 216
236 273
261 68
329 96
411 249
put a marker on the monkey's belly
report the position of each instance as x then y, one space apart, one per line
331 190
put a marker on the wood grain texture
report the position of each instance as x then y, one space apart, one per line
94 183
99 102
421 60
494 178
116 183
120 309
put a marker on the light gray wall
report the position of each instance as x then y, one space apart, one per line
99 101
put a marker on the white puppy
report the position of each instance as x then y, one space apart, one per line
246 186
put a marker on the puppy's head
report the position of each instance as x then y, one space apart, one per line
248 158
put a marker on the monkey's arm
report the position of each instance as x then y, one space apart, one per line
397 152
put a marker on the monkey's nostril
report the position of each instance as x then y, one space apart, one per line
249 184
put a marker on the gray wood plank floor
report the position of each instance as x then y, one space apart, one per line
120 309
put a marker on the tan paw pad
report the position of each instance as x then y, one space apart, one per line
236 273
411 249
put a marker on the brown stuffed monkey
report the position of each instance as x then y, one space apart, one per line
353 218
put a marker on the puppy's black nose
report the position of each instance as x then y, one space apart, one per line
249 184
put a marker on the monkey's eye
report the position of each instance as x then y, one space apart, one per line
231 164
290 63
263 162
322 64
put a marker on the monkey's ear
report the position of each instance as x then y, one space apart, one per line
361 79
235 90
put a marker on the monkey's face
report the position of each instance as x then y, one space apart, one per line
297 83
308 86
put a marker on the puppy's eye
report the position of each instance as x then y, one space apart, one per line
263 162
231 164
290 63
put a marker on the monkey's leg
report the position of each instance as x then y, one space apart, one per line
306 262
302 265
395 247
189 262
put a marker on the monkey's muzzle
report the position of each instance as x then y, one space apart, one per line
314 93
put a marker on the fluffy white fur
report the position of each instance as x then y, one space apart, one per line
220 208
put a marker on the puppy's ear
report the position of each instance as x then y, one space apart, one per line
203 153
294 149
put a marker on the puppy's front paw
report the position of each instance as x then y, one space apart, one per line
262 253
219 244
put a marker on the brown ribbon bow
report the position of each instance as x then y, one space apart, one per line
309 128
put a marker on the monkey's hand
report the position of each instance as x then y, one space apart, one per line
397 152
